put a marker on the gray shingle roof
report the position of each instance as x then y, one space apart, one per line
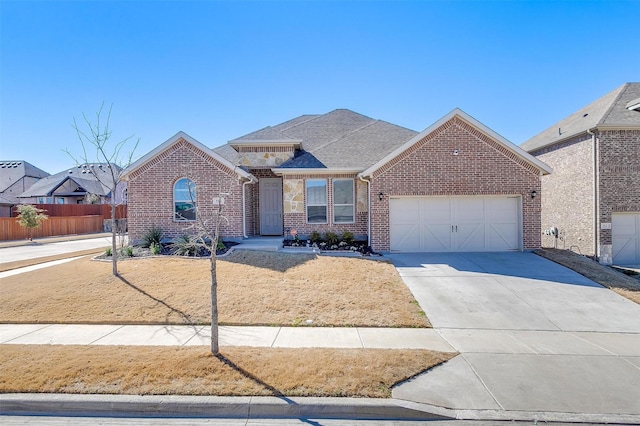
78 174
13 171
340 139
266 134
607 111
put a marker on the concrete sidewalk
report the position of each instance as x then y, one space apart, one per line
200 335
514 366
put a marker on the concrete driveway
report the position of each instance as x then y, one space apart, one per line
512 291
36 249
537 340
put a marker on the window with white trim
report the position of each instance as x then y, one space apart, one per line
343 201
316 200
184 200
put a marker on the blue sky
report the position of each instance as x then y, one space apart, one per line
220 69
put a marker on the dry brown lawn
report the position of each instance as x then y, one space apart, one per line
603 275
257 288
194 371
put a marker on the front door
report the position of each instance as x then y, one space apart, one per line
271 206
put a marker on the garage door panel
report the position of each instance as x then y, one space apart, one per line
435 237
502 237
469 210
435 210
625 238
624 251
406 235
502 210
404 210
455 224
470 237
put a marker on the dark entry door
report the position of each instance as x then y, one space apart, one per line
271 206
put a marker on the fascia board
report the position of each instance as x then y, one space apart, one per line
585 132
174 139
309 171
474 123
267 142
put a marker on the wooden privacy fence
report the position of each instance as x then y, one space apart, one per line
82 210
65 225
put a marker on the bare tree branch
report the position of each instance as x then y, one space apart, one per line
98 137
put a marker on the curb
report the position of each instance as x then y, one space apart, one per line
78 405
521 416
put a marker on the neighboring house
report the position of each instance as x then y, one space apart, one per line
593 195
15 178
456 186
76 185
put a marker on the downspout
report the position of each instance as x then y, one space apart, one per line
595 194
244 213
368 209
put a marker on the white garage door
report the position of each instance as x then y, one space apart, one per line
435 224
625 238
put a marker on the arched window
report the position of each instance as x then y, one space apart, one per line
184 200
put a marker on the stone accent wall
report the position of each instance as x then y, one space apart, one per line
362 196
293 195
482 167
264 159
567 194
297 218
150 192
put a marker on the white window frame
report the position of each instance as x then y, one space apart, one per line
309 204
188 201
352 204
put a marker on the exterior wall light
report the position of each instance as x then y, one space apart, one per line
534 193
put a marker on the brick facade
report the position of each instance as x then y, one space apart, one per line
618 180
567 201
569 191
482 166
151 192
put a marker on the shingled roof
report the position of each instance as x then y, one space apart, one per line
11 172
613 110
340 139
80 175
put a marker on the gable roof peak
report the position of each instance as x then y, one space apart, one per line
176 139
457 112
609 110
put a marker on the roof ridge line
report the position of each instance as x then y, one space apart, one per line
613 104
348 134
313 117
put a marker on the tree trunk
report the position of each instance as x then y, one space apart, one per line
114 248
214 302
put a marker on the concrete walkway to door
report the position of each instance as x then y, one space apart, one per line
537 340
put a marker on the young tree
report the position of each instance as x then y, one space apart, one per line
112 164
30 217
204 233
